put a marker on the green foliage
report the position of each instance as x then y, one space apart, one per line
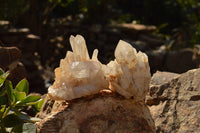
11 10
11 120
192 11
166 15
22 86
3 77
13 101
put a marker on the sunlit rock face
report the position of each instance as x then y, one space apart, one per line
78 75
129 74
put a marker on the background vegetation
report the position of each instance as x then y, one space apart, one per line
167 15
13 103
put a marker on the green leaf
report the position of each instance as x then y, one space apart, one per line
19 95
1 71
10 92
17 129
11 120
29 100
38 105
23 116
6 112
33 103
26 118
2 100
3 78
3 91
22 86
2 110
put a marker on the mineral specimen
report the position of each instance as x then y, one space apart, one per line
129 74
78 75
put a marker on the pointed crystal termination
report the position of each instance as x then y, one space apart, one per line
129 74
78 75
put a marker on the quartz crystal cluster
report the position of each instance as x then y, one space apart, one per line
78 75
129 74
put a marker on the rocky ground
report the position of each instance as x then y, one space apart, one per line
173 99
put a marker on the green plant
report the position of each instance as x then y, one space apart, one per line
13 101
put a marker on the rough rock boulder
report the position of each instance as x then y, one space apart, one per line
105 112
174 102
10 60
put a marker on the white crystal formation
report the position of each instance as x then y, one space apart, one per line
129 74
78 75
